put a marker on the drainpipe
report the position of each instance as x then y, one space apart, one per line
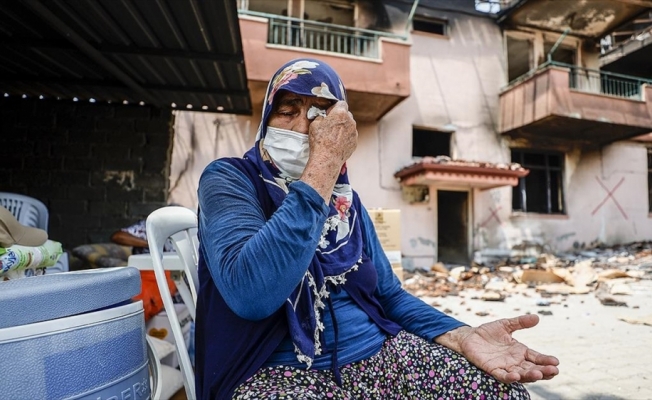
557 43
410 17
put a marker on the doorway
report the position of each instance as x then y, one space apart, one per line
453 227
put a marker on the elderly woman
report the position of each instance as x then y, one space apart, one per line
297 299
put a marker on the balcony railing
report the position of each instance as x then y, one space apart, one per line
296 32
561 103
596 81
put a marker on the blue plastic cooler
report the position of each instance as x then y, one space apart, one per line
74 335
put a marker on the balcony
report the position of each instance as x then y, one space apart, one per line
586 19
561 103
632 56
374 66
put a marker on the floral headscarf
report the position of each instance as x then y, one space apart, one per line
339 251
304 76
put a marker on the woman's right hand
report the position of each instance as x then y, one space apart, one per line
333 139
334 136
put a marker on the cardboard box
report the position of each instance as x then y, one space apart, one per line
388 228
159 327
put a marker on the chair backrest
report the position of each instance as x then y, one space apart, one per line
180 225
27 210
33 213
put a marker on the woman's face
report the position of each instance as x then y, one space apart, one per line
291 111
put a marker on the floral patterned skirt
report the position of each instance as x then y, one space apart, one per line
407 367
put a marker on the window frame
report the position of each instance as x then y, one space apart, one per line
433 21
430 131
521 189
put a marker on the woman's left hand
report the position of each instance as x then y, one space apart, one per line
492 348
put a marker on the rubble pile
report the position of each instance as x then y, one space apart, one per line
607 272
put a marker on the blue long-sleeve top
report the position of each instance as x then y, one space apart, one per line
256 263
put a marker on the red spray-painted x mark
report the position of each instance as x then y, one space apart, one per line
610 194
494 215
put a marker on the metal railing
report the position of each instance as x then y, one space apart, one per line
591 81
296 32
595 81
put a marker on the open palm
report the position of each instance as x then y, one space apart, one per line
492 348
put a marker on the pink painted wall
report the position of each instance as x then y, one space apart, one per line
390 75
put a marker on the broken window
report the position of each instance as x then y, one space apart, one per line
563 54
430 25
541 191
430 143
276 7
339 12
649 178
519 57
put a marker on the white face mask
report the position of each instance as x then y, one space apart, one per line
288 149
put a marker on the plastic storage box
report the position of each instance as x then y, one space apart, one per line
73 335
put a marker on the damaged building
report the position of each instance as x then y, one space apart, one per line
491 125
491 132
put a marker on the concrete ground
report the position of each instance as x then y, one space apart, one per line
601 357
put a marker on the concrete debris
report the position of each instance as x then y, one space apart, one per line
492 296
610 301
562 288
499 285
583 274
538 276
441 268
609 272
646 320
620 288
603 293
612 274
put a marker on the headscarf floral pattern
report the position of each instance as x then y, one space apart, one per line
306 77
287 74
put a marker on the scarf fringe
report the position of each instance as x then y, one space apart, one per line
319 295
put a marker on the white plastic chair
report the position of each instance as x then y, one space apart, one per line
27 210
180 225
154 369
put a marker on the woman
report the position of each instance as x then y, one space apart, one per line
297 299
